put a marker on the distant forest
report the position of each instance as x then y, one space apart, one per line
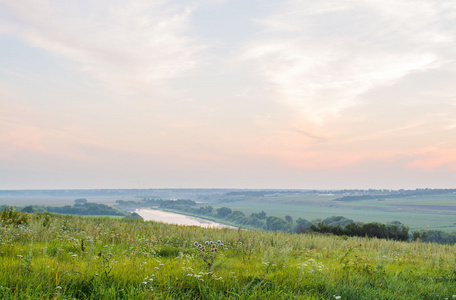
196 193
80 207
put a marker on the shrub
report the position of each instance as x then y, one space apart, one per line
10 216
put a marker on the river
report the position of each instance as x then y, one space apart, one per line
178 219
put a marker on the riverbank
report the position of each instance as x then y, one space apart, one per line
177 219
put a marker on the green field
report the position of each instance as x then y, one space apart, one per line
71 257
437 212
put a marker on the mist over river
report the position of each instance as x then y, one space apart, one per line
178 219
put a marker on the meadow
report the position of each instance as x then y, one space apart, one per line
436 212
46 256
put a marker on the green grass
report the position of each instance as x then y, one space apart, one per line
130 259
409 211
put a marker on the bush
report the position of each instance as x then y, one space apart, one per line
10 216
222 212
134 216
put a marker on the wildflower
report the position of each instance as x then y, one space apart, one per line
20 256
207 242
58 287
195 243
337 297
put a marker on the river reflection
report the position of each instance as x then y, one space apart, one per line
172 218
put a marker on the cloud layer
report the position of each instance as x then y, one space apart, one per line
296 94
130 46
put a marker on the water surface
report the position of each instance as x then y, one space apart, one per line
173 218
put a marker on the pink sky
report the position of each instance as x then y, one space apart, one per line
225 94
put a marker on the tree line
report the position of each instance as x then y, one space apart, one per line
392 231
80 207
336 225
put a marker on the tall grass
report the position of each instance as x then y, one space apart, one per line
130 259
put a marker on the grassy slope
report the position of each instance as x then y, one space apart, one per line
120 257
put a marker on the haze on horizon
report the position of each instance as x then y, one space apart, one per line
227 94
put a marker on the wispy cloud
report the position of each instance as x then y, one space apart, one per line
132 46
319 56
286 88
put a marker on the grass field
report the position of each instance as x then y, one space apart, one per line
436 212
70 257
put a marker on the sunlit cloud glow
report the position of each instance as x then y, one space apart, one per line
290 94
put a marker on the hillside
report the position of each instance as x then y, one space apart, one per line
64 257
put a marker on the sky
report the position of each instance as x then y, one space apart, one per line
299 94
